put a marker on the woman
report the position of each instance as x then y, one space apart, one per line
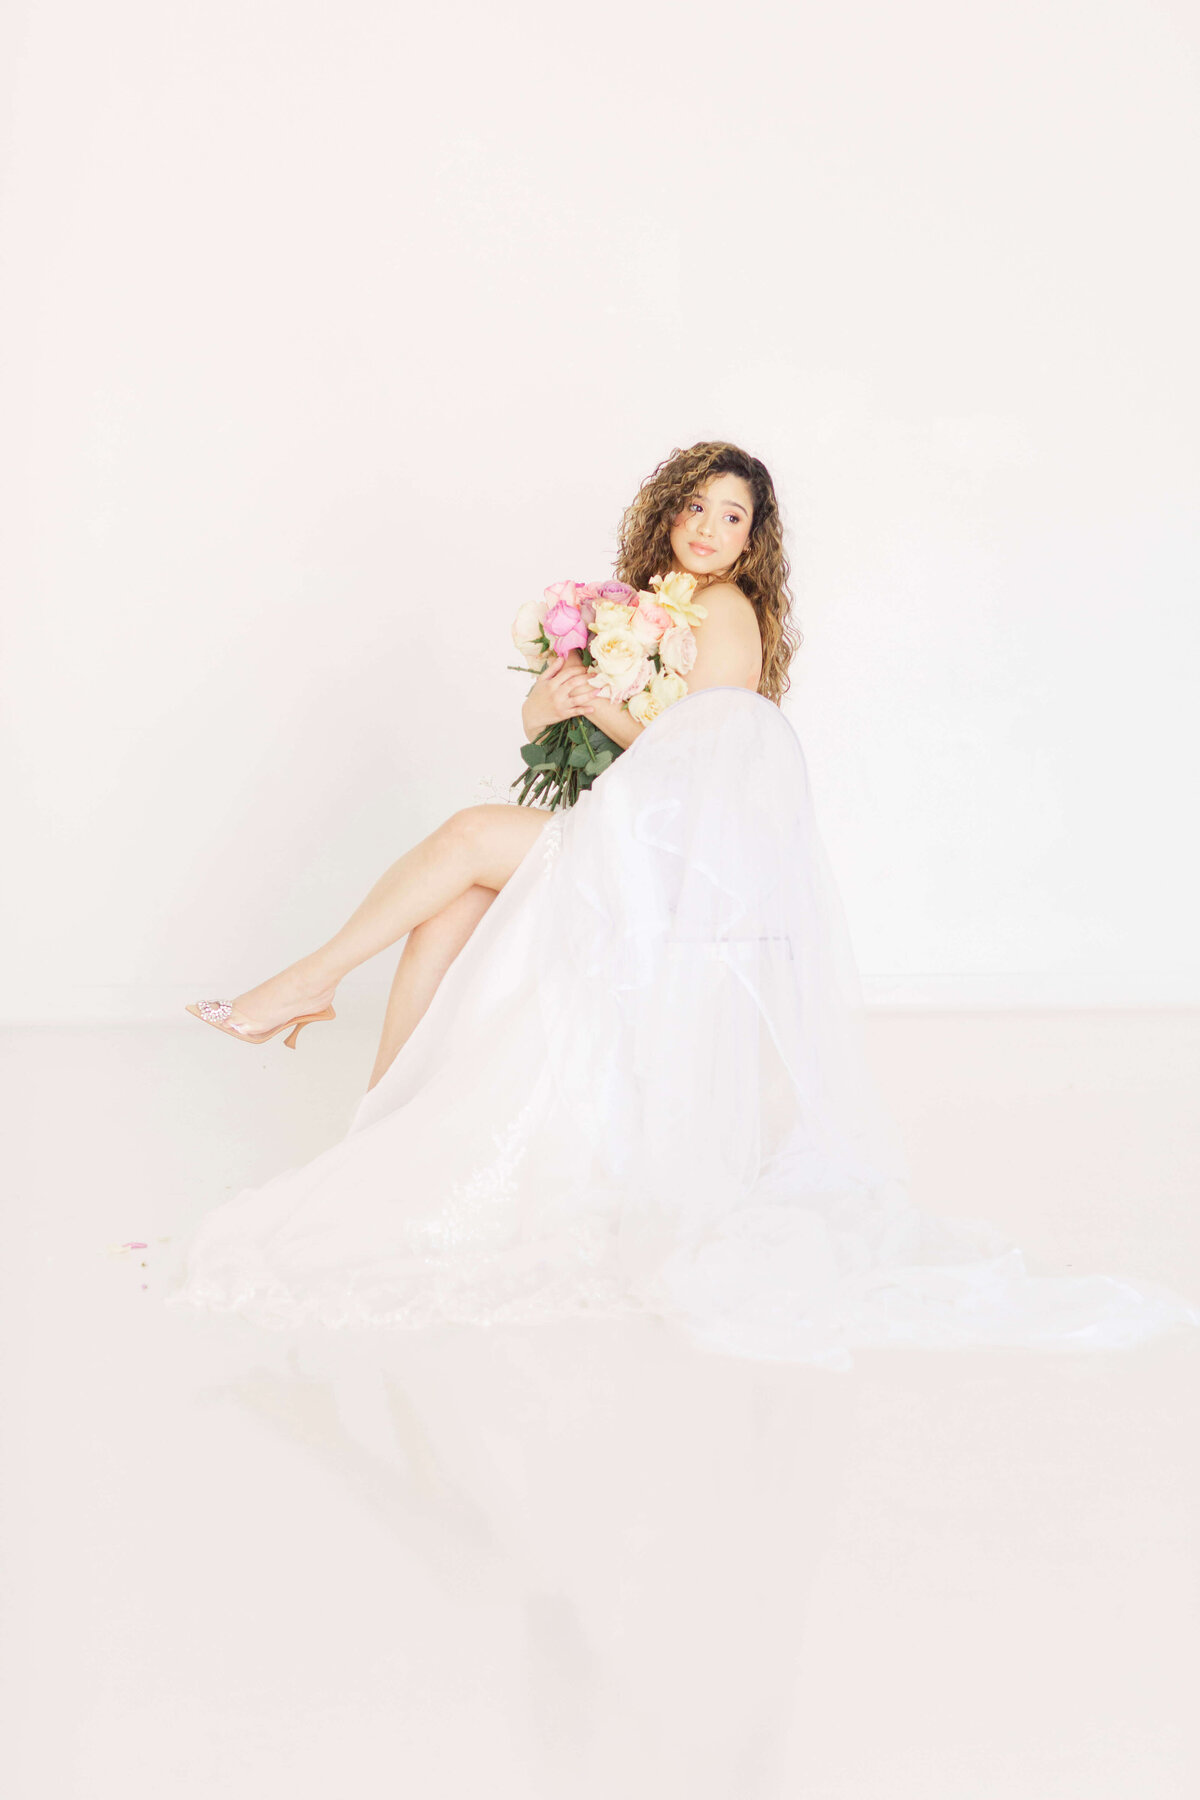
636 1085
730 539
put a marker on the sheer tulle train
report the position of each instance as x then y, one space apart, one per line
641 1088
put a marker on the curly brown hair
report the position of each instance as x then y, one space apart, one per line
761 571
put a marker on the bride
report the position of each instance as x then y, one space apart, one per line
621 1067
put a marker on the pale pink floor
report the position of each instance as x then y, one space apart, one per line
581 1562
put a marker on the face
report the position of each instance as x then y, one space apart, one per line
709 535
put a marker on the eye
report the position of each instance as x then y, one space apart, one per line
734 518
692 503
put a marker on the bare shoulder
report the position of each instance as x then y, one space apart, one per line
728 640
725 594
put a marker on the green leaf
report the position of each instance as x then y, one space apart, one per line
600 740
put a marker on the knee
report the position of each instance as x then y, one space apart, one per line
468 828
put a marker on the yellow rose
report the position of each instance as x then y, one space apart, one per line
674 595
666 689
674 587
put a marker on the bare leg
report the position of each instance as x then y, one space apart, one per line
428 952
481 845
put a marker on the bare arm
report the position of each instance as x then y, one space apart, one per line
579 696
615 722
728 654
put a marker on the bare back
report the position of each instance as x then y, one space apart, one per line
729 651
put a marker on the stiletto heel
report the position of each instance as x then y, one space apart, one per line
215 1012
308 1019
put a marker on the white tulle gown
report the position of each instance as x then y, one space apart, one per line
640 1089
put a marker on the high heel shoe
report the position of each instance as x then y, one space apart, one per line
215 1012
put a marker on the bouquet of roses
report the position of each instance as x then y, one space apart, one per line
636 647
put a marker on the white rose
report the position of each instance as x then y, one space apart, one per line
678 649
527 634
666 689
527 626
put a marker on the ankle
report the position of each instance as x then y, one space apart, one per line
318 975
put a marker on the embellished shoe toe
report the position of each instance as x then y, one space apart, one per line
216 1012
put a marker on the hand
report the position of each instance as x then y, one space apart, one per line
561 691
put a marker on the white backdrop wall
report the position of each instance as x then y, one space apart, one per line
333 332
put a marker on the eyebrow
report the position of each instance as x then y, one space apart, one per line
727 504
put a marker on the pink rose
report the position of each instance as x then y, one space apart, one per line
650 620
564 626
617 592
585 600
562 590
581 594
677 650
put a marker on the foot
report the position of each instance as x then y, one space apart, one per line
285 996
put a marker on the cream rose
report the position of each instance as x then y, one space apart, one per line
610 688
643 707
610 616
622 667
617 651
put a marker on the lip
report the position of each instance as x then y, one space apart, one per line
701 549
